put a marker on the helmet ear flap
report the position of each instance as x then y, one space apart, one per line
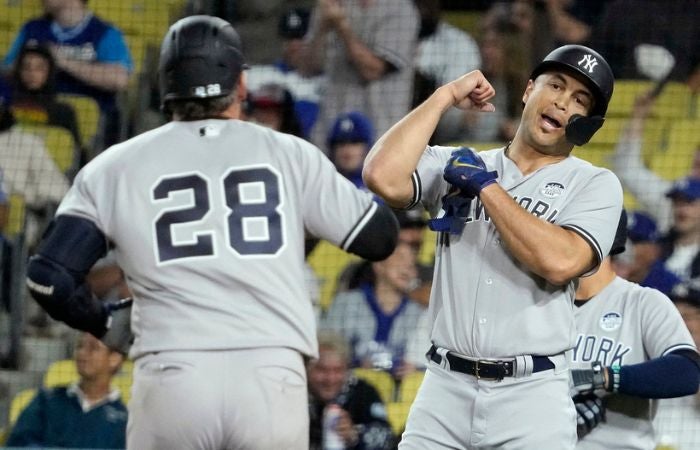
581 129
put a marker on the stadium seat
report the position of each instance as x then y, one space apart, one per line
624 95
676 158
328 261
19 402
382 381
596 154
16 12
16 215
87 111
409 386
148 18
674 102
397 413
60 144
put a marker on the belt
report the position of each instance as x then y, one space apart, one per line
487 369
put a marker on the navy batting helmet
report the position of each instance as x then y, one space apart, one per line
591 68
200 57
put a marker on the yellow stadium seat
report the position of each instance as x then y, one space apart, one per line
382 381
409 386
87 111
397 413
16 215
598 155
19 402
61 373
16 12
674 102
60 144
149 18
328 261
676 159
469 21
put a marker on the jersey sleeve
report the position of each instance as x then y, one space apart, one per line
80 200
333 208
428 184
594 211
663 327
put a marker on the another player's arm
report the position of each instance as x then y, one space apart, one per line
552 252
375 236
56 274
390 164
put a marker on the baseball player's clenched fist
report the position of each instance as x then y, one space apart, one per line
472 91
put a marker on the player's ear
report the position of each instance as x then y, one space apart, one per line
528 89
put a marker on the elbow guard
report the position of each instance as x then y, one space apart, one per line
55 276
377 239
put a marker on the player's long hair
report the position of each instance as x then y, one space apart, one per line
199 109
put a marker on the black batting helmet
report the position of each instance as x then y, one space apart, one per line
200 57
591 68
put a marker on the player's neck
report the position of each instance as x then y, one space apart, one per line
528 159
589 287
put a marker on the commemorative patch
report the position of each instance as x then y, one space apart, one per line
611 321
552 189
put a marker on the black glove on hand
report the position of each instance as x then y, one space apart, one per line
466 170
585 381
590 412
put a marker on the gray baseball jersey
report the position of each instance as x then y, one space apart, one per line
208 219
484 303
626 324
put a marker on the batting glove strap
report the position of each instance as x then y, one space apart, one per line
586 381
614 374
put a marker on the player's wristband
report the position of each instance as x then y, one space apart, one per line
613 378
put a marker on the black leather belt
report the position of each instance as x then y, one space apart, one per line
485 369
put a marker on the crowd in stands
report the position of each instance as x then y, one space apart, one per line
340 74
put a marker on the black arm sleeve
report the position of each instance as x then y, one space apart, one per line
676 374
56 274
377 239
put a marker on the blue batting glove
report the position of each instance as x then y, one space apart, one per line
467 171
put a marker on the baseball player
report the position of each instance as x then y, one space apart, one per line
206 216
632 346
518 225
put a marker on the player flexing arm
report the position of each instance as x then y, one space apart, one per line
551 100
657 356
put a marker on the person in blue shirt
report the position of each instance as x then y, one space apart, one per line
91 55
86 414
349 140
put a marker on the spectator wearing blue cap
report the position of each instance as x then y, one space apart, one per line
292 27
350 138
679 260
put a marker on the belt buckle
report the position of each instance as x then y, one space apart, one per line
498 364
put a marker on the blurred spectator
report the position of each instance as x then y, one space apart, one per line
272 106
642 248
29 170
86 414
91 56
363 420
292 28
524 17
34 95
647 187
677 419
4 204
679 261
654 37
572 21
378 317
444 54
505 66
349 141
366 51
256 21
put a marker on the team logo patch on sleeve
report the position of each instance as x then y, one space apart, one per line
611 321
552 190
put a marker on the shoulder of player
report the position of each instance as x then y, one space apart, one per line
644 295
